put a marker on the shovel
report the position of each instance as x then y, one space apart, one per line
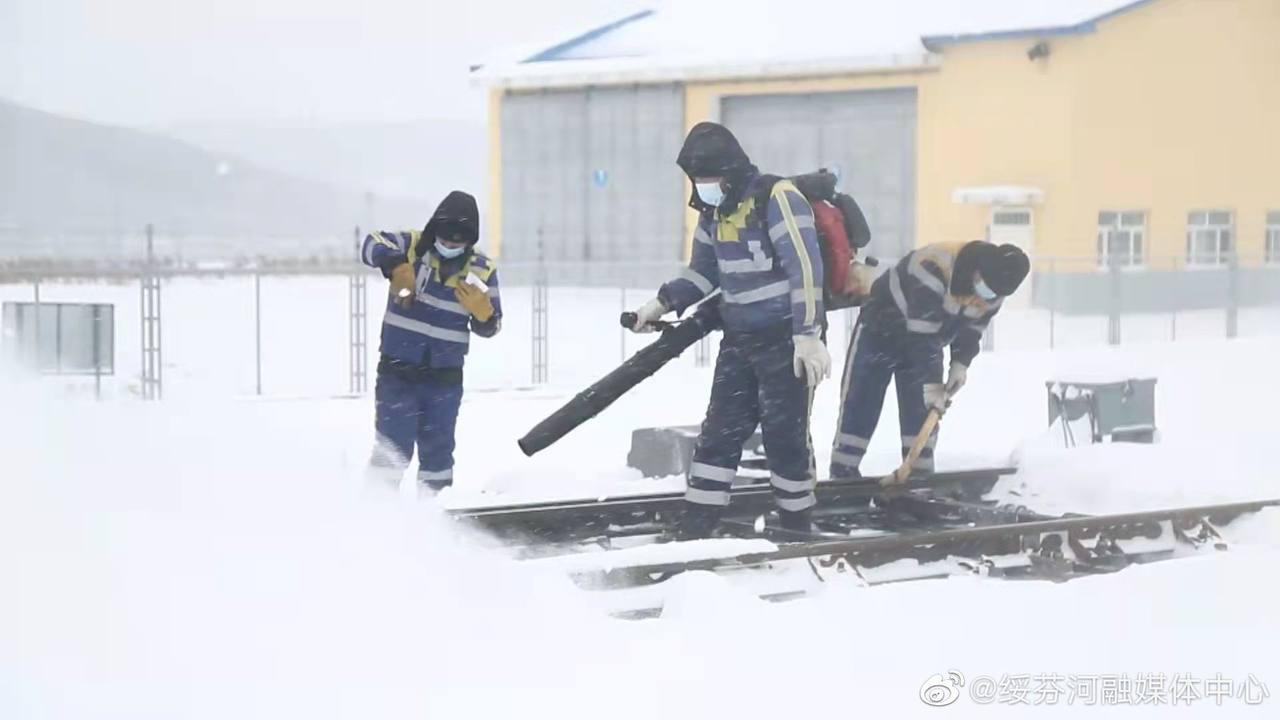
900 476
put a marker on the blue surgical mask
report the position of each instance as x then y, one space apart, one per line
711 193
981 290
448 253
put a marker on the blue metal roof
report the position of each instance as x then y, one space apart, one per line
557 52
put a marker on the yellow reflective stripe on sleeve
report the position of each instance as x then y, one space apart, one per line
806 267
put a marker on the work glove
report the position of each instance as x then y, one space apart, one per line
647 314
403 285
812 362
957 376
935 397
475 301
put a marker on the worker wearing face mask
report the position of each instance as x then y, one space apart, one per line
755 241
937 296
442 291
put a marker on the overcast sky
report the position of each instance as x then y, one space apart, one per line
161 63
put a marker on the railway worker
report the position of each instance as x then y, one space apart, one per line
442 289
938 295
755 241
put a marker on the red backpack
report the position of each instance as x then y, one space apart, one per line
842 231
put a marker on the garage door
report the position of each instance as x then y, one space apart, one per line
591 175
867 138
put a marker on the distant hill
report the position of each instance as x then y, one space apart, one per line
425 158
78 181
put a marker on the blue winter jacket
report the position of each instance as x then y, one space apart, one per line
766 262
913 302
436 331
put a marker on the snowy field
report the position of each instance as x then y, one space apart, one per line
216 555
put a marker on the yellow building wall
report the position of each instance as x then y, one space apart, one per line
1178 109
1170 107
493 215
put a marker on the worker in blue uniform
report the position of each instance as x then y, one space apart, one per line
442 290
756 243
938 296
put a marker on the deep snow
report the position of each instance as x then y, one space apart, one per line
215 556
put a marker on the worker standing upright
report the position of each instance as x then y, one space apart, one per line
442 289
755 241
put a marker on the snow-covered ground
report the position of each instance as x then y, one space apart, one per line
216 555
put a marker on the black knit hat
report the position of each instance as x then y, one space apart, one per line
1002 268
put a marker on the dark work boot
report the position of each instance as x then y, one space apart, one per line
801 521
697 521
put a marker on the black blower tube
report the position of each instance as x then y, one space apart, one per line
675 339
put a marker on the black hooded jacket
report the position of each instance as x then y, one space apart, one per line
710 150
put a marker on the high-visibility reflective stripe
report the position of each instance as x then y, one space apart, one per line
796 504
701 235
427 475
924 327
895 289
779 229
435 302
790 485
703 471
853 441
404 323
772 290
797 240
758 262
699 281
927 278
698 496
925 464
852 460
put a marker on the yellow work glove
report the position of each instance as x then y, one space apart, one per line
475 301
403 285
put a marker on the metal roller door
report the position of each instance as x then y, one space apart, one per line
591 174
866 137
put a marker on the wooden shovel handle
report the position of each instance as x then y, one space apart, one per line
900 475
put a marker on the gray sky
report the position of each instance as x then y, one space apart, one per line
159 63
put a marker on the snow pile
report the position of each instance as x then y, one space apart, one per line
219 558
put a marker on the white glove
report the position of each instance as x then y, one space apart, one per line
957 376
649 312
812 362
935 397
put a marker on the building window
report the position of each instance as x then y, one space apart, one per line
1209 237
1121 238
1273 237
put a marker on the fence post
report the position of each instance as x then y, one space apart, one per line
1233 294
257 327
35 351
152 372
97 352
622 332
1053 300
1114 310
540 309
358 324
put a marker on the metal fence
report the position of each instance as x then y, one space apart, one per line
302 329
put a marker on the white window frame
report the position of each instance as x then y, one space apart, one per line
1271 244
1222 236
1111 224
